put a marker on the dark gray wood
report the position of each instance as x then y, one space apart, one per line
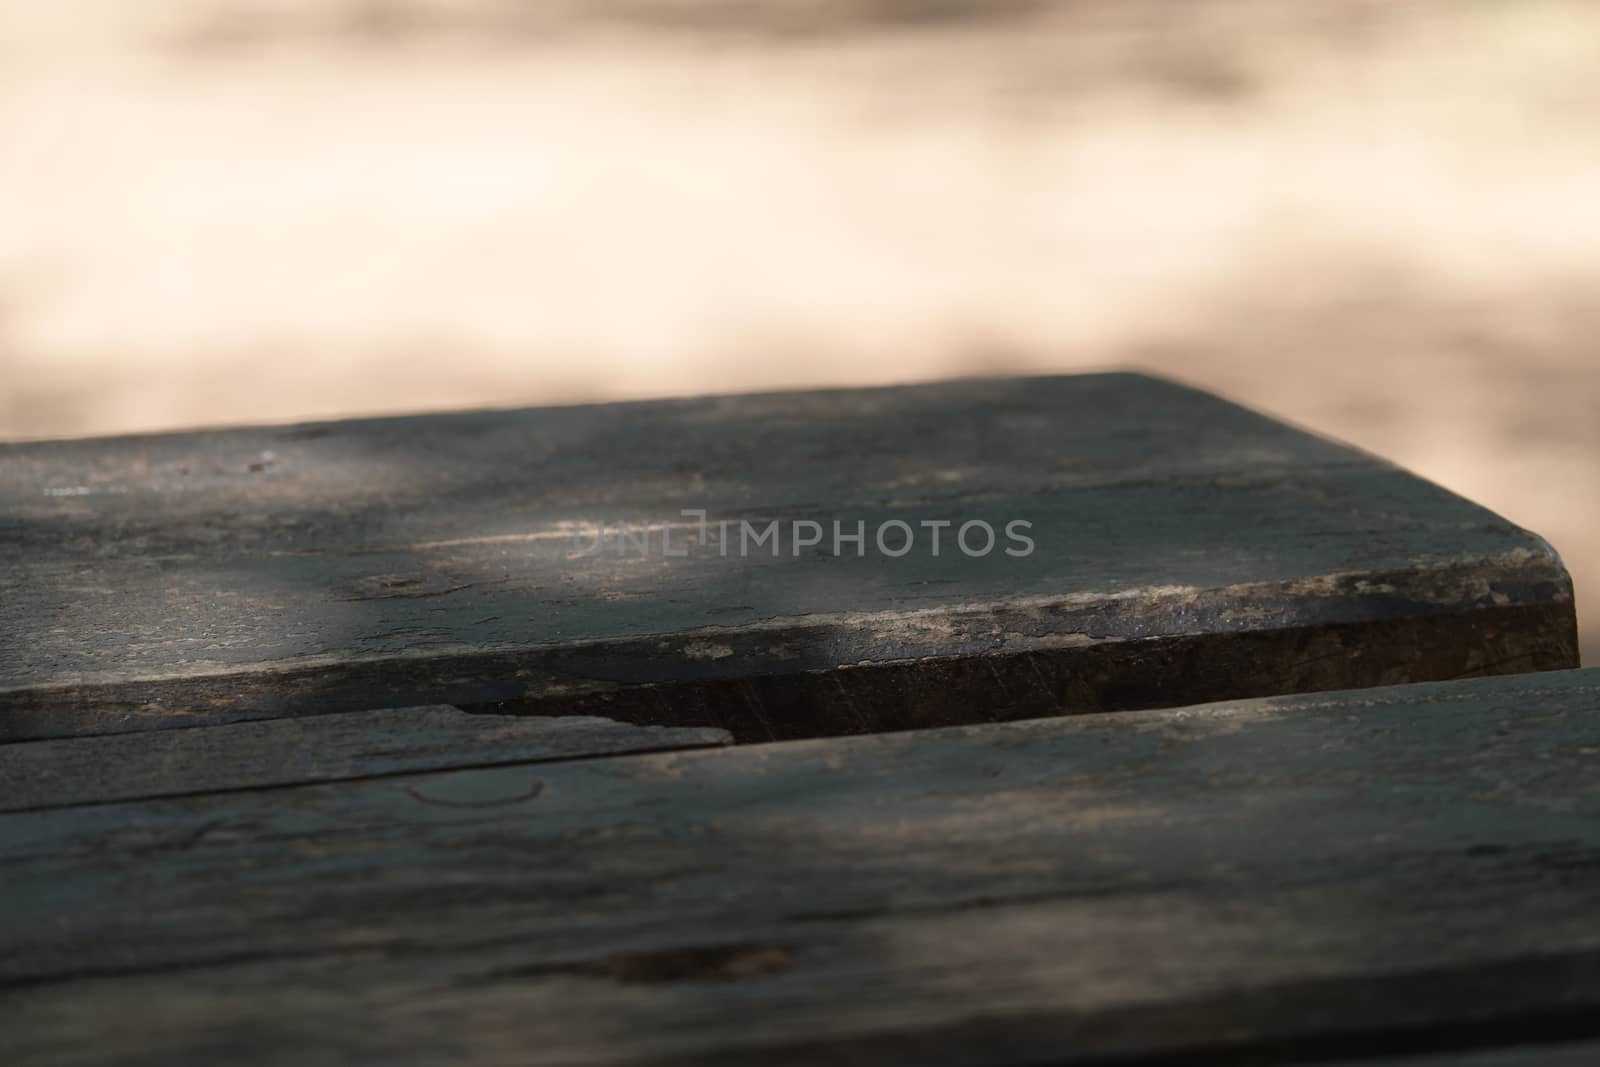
1354 874
1186 550
1582 1054
354 744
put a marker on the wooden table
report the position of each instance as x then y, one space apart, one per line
1275 881
244 817
1184 550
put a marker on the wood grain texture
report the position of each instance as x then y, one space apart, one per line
1349 874
355 744
1185 549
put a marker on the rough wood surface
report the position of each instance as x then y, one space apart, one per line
1185 550
354 744
1350 874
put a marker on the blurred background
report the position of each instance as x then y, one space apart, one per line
1377 218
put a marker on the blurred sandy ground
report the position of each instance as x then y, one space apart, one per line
1380 219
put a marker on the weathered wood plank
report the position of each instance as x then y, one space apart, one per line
1184 549
1289 977
323 748
1347 873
